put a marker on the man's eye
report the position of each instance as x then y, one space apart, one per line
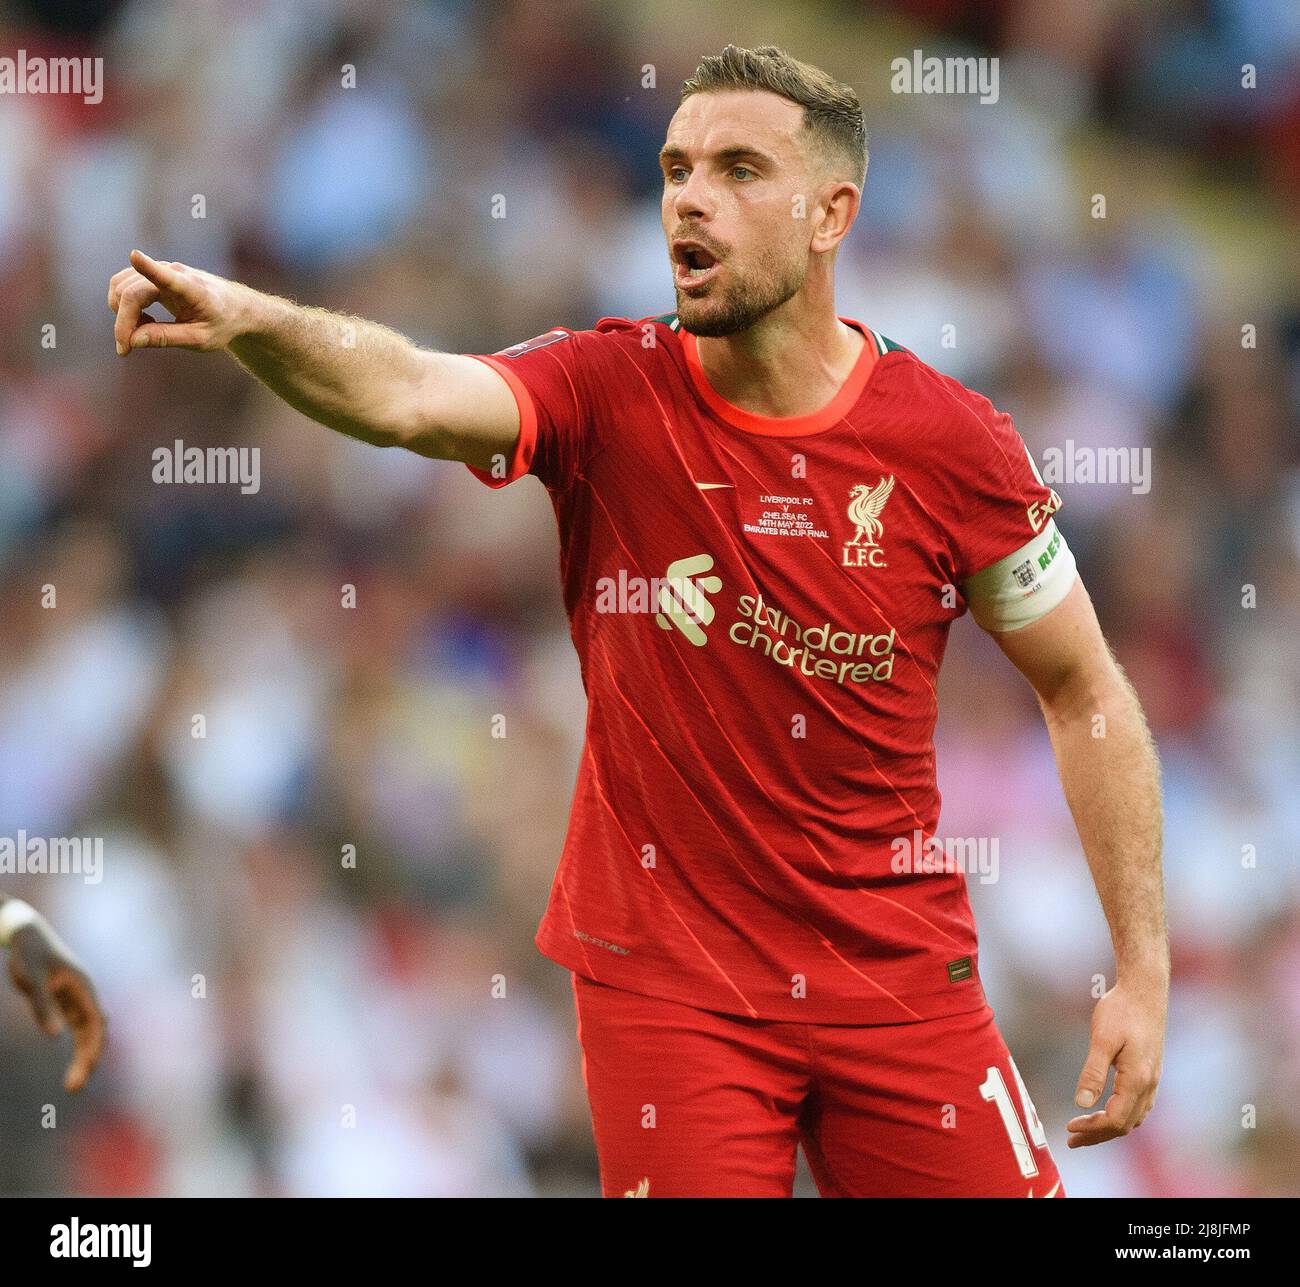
676 174
741 172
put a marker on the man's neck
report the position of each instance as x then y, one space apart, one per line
792 363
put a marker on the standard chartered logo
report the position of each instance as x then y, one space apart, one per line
682 600
820 651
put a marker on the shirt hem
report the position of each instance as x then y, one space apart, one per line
601 965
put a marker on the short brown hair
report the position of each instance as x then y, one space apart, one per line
832 113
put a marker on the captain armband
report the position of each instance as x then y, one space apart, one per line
1024 586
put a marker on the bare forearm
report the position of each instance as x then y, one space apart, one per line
355 376
1111 777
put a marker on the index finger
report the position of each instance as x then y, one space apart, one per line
162 275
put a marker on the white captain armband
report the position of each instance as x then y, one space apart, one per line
1024 586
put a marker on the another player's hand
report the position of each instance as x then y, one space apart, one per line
209 311
1128 1030
60 993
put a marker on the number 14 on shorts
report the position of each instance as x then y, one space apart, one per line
995 1089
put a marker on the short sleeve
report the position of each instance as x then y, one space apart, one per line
550 383
1003 502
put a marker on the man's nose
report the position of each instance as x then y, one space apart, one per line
694 199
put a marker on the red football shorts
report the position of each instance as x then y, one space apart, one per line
691 1103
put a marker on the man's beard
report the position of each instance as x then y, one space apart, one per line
738 308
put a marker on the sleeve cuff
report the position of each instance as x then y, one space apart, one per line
522 458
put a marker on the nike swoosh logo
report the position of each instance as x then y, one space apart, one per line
708 487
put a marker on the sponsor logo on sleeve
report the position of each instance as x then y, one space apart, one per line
531 346
1039 512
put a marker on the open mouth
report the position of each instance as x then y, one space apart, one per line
694 264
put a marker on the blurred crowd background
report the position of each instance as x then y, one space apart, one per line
286 1022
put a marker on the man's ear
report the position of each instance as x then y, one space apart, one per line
840 208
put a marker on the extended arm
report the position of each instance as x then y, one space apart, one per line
1111 776
354 376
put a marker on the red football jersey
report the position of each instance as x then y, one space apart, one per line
760 607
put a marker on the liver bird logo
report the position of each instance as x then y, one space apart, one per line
864 511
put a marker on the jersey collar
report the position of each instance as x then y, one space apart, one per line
784 426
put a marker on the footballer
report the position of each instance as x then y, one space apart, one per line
757 961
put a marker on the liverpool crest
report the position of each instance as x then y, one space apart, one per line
862 549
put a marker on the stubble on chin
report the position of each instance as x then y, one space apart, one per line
713 317
701 318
